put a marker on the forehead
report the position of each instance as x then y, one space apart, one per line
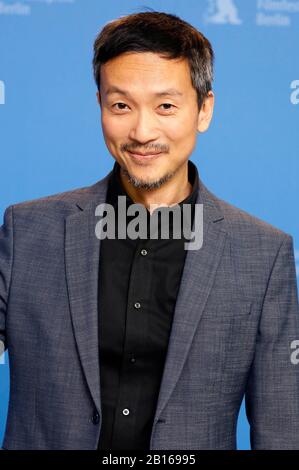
147 71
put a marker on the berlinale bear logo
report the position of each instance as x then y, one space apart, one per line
222 12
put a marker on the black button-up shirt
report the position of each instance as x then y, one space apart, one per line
138 286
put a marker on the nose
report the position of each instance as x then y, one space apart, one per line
144 128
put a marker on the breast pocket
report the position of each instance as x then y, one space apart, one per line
228 309
212 342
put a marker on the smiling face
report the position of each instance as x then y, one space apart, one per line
148 105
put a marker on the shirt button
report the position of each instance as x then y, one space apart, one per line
143 252
126 412
137 305
95 418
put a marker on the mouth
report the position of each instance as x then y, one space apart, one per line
144 157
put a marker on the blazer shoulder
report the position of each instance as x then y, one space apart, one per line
243 225
63 201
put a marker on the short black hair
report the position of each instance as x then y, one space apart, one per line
162 33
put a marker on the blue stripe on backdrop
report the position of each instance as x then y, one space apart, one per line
51 138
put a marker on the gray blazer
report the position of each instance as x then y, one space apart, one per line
235 318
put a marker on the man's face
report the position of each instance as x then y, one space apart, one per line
148 105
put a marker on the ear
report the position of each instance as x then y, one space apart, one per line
99 98
206 112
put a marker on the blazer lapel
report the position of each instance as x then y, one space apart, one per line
198 275
82 250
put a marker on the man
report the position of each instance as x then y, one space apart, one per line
140 343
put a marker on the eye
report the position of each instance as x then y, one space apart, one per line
167 104
121 108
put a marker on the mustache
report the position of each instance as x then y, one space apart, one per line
155 148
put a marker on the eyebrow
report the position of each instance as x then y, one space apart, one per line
168 92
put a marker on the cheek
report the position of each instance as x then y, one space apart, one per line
114 129
183 127
184 142
182 134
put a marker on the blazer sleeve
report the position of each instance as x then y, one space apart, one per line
272 392
6 259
